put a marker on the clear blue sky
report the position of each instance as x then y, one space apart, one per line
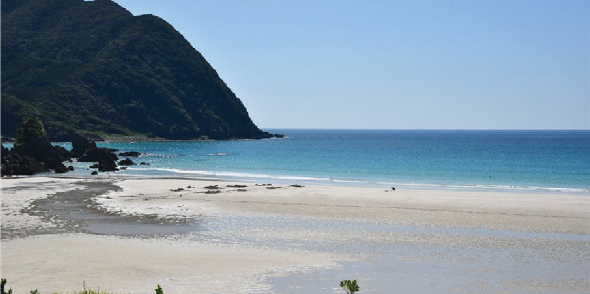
351 64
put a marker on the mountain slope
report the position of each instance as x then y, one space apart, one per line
94 67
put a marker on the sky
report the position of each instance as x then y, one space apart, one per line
393 64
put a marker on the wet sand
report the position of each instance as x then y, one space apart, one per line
129 235
63 263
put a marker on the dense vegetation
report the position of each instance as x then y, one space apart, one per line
94 67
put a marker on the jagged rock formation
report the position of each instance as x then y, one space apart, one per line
32 152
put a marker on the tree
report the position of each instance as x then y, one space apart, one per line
349 286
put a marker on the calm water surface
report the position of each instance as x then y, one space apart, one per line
522 160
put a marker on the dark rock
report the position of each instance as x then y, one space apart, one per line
107 165
32 152
61 169
80 144
70 168
4 150
144 163
31 140
53 163
94 165
94 154
14 164
94 173
130 154
61 137
126 162
62 153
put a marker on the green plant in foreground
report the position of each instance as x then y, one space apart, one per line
2 283
85 291
349 286
159 290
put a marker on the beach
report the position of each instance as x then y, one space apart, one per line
128 235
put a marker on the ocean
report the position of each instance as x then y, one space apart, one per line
425 247
513 160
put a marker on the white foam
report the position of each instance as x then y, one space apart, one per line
231 174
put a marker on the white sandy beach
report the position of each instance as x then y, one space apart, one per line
255 234
562 213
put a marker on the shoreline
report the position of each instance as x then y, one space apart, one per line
332 183
410 206
551 212
185 233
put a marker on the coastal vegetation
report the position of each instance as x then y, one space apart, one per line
3 285
93 67
85 291
349 286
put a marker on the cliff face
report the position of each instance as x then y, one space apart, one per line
94 67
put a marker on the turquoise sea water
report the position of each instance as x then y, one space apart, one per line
523 160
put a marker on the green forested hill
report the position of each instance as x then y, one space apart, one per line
94 67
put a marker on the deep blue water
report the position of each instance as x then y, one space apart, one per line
537 160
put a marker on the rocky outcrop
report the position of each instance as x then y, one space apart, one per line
61 169
32 152
91 153
106 164
127 162
4 151
14 164
80 144
31 141
95 154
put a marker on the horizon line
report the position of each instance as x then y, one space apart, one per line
372 129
